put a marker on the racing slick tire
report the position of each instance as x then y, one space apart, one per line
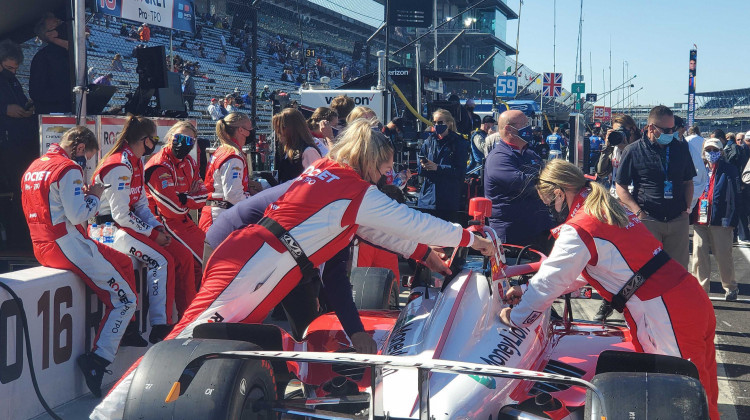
374 288
222 388
644 395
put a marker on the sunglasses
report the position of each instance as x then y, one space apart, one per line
665 130
438 122
181 138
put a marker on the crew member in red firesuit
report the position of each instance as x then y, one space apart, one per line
227 177
664 306
173 188
255 267
56 202
139 233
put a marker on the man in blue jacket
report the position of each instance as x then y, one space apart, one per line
510 172
443 165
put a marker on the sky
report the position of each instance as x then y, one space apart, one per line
653 37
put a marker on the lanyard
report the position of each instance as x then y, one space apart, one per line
665 166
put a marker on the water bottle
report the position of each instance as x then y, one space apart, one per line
95 232
400 179
108 234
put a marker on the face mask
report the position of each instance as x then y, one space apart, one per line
7 74
665 139
182 145
440 128
559 216
713 157
381 182
525 132
148 150
61 32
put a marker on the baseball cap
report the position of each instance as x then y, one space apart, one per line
213 99
713 142
488 119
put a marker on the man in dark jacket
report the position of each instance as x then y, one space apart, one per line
188 89
510 172
19 143
477 142
49 79
443 164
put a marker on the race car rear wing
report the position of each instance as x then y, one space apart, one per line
377 363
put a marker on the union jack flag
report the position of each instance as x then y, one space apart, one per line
552 85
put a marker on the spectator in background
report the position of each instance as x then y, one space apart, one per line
661 171
476 120
679 125
443 158
247 99
714 219
105 80
229 104
144 34
341 105
223 44
464 122
188 89
116 64
321 127
477 142
510 172
221 58
555 141
609 160
700 180
735 154
296 148
49 79
265 94
124 30
19 141
214 110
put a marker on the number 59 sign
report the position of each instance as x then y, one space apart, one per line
507 86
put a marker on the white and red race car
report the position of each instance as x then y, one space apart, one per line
445 355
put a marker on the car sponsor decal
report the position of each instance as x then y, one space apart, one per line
509 346
485 380
532 317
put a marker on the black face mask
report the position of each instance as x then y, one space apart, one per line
148 150
80 160
62 33
559 216
181 146
7 74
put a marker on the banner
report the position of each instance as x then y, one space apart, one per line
691 86
174 14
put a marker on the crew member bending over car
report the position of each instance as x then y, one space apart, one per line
664 306
174 187
256 267
139 233
56 202
227 176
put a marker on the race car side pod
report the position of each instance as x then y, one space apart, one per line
376 363
25 323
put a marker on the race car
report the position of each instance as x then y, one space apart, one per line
445 355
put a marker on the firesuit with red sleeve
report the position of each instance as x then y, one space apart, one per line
55 207
226 182
126 205
669 314
168 187
252 271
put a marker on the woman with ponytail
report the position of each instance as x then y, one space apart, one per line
139 233
228 175
601 243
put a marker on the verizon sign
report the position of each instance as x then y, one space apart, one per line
312 99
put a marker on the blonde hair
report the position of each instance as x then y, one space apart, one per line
447 118
227 126
600 204
177 127
360 112
361 147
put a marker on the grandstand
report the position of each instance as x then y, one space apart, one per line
216 79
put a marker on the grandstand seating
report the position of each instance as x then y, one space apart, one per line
220 79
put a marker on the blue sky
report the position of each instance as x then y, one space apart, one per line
654 38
